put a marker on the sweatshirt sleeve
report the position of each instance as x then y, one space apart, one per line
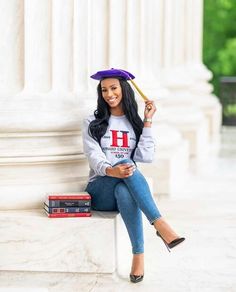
96 158
146 147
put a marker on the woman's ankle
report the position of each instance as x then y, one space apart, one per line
165 230
137 264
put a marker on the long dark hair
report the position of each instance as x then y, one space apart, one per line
98 127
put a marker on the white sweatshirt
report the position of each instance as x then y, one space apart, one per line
117 144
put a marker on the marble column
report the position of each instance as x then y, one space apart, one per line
117 23
172 151
201 89
180 109
62 45
150 47
83 90
37 46
173 74
40 114
187 77
98 35
11 47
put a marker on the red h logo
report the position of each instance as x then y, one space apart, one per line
115 138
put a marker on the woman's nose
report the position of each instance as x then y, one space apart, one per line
109 93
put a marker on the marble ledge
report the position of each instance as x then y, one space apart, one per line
54 282
30 241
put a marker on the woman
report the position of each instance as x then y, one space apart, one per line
115 138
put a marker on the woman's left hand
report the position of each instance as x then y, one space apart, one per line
150 109
123 170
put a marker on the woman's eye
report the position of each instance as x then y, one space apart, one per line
104 90
114 88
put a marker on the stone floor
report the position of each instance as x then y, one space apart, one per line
203 211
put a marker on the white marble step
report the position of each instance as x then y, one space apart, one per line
30 241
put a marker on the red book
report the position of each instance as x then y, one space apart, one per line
65 215
69 196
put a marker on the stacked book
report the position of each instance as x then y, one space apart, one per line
59 205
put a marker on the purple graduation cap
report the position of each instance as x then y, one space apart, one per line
112 73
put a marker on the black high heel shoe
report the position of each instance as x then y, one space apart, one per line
136 279
173 243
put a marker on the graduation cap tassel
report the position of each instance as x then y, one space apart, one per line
139 90
149 107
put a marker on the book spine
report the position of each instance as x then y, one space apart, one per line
66 215
83 197
67 210
68 203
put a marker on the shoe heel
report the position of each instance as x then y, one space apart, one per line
172 243
166 244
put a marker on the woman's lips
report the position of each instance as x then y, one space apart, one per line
112 99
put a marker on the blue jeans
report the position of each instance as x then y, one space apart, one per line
129 196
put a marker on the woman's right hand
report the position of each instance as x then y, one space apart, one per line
121 170
150 109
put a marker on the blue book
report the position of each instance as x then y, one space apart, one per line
52 210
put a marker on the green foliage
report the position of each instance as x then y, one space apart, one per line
227 58
219 39
230 110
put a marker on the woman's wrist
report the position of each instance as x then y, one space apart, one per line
109 171
147 122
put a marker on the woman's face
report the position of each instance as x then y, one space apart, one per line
112 92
